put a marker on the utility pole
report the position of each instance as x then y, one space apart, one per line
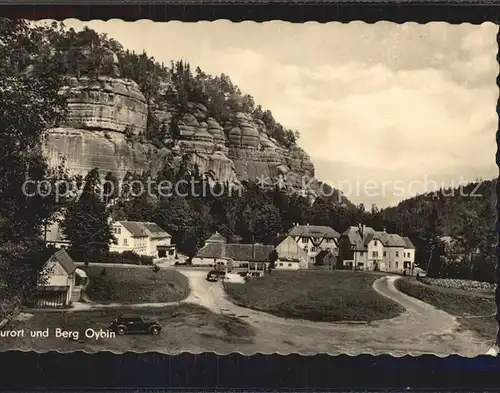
429 262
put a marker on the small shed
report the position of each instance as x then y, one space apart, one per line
57 288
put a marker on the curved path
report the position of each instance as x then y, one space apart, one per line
421 329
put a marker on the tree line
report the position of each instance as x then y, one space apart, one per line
251 214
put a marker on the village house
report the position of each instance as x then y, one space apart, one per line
326 259
409 254
314 238
363 248
143 238
218 253
62 282
290 255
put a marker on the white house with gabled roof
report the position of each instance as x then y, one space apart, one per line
61 281
143 238
363 248
315 238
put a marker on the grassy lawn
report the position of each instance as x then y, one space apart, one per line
135 285
186 326
459 303
316 296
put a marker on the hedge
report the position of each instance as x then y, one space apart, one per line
125 258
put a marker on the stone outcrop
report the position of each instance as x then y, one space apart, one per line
107 122
106 104
102 116
83 150
207 149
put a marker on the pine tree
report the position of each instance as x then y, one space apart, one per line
85 223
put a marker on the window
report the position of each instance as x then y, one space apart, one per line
385 253
281 263
289 265
397 253
304 240
375 243
313 249
361 254
375 254
125 242
396 265
306 248
117 230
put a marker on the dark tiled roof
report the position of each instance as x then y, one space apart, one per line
352 233
369 234
237 252
154 230
408 243
135 229
143 229
216 238
314 231
65 261
392 240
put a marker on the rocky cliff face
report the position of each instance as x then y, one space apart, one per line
107 120
102 114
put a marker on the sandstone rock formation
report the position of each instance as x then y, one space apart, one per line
108 118
102 114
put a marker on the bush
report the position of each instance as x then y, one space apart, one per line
125 258
155 268
8 305
465 285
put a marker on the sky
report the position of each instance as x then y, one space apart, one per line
386 111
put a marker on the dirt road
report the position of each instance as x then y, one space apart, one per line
421 329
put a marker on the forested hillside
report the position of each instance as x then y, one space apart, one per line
88 53
463 218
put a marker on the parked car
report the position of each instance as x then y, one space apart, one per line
215 275
134 324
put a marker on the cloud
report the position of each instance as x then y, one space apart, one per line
383 125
